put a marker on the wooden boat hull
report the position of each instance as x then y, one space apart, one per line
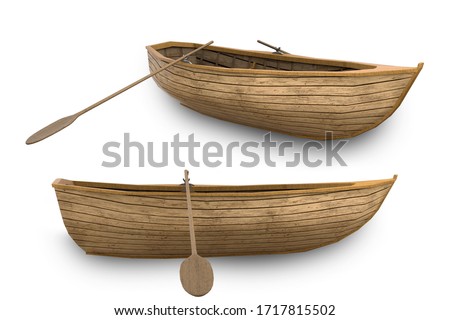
151 221
290 94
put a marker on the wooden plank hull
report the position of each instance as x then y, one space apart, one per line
290 94
151 221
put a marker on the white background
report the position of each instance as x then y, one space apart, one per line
58 57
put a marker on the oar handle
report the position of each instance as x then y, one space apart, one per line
277 49
142 79
66 121
190 215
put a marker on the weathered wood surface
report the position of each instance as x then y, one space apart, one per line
151 221
62 123
196 274
296 95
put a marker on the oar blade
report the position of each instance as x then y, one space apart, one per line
64 122
196 275
51 129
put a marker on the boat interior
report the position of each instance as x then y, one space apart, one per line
227 59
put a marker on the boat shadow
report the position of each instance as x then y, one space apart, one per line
366 141
245 264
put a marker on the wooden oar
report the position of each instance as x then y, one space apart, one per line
277 49
60 124
196 273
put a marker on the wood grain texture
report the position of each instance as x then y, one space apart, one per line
196 274
62 123
150 221
296 95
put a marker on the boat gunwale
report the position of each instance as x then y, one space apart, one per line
217 190
369 68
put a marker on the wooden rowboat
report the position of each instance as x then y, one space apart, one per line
285 93
150 221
